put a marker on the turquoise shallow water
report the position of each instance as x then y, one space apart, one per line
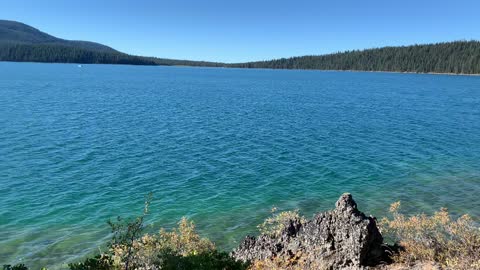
222 146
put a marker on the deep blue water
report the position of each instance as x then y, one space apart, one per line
222 146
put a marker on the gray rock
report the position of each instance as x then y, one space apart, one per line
343 238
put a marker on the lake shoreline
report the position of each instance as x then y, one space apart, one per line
257 68
355 70
342 237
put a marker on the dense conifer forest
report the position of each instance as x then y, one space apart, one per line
65 54
449 57
54 53
22 43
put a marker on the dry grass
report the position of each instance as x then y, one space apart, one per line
426 241
278 263
454 244
275 224
299 261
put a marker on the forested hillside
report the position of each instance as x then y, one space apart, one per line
22 43
450 57
12 33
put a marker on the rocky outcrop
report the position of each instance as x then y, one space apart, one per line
343 238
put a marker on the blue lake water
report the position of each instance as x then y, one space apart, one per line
222 146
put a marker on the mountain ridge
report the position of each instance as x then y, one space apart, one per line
20 42
17 32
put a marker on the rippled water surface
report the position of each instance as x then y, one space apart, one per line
222 146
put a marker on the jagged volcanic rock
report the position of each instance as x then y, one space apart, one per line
343 238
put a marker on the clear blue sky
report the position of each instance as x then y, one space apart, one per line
235 31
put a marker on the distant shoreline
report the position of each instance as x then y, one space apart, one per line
232 67
16 45
358 70
408 72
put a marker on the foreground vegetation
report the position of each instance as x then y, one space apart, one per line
452 244
438 240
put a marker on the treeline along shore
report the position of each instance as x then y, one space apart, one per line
22 43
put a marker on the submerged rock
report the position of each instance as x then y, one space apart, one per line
343 238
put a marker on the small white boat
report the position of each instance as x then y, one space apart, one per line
79 65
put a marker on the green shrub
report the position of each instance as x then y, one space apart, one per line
125 235
154 249
19 266
203 261
180 248
99 262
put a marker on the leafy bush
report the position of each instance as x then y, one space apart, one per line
180 248
153 249
99 262
202 261
455 244
275 224
126 235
